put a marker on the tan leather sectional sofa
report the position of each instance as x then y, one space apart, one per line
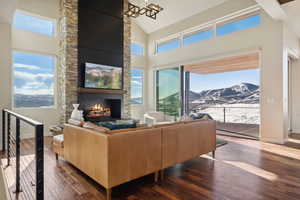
120 156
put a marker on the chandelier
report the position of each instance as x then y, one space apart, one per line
150 10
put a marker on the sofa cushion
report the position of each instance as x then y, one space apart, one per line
75 122
166 124
95 127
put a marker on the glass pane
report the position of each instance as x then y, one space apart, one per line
33 24
168 46
168 91
137 86
197 37
238 25
137 49
33 80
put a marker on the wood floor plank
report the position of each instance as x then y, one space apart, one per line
243 169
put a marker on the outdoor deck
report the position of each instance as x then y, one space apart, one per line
248 130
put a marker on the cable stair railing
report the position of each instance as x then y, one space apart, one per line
11 147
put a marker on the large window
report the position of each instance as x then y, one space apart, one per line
137 79
215 28
168 92
167 46
137 49
33 80
197 37
34 24
238 25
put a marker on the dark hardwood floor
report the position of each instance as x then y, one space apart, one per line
243 169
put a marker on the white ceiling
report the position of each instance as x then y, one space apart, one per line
174 11
6 10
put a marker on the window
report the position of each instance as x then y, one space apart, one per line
197 37
168 92
137 49
34 24
33 80
167 46
137 79
239 25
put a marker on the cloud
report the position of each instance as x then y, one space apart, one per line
34 92
34 84
30 76
24 66
137 83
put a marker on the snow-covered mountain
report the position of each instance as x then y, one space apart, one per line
245 93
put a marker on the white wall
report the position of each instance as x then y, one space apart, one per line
295 87
41 44
5 66
266 38
291 49
140 37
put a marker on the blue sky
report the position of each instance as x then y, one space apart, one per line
33 74
199 82
221 30
136 83
33 24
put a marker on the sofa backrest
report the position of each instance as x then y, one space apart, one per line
113 159
186 141
134 154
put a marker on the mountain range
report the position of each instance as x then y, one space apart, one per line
244 93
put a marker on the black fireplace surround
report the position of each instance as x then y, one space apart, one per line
114 102
100 42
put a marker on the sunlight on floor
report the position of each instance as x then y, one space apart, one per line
254 170
26 162
247 167
268 147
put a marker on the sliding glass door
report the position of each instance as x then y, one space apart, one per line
168 92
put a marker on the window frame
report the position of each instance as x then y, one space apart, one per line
237 19
191 33
168 41
143 86
54 21
140 44
55 73
235 16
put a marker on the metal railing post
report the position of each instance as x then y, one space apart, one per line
39 152
8 138
18 189
224 112
3 132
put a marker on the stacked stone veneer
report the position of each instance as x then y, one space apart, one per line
68 69
126 113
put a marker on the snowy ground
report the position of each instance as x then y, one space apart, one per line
234 113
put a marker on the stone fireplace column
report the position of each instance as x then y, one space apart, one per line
126 111
68 69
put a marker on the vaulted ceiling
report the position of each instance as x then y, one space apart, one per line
174 11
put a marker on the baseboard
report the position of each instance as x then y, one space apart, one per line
296 131
273 140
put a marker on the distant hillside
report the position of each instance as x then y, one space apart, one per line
27 101
245 93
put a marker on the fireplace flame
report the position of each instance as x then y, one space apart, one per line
98 107
99 111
